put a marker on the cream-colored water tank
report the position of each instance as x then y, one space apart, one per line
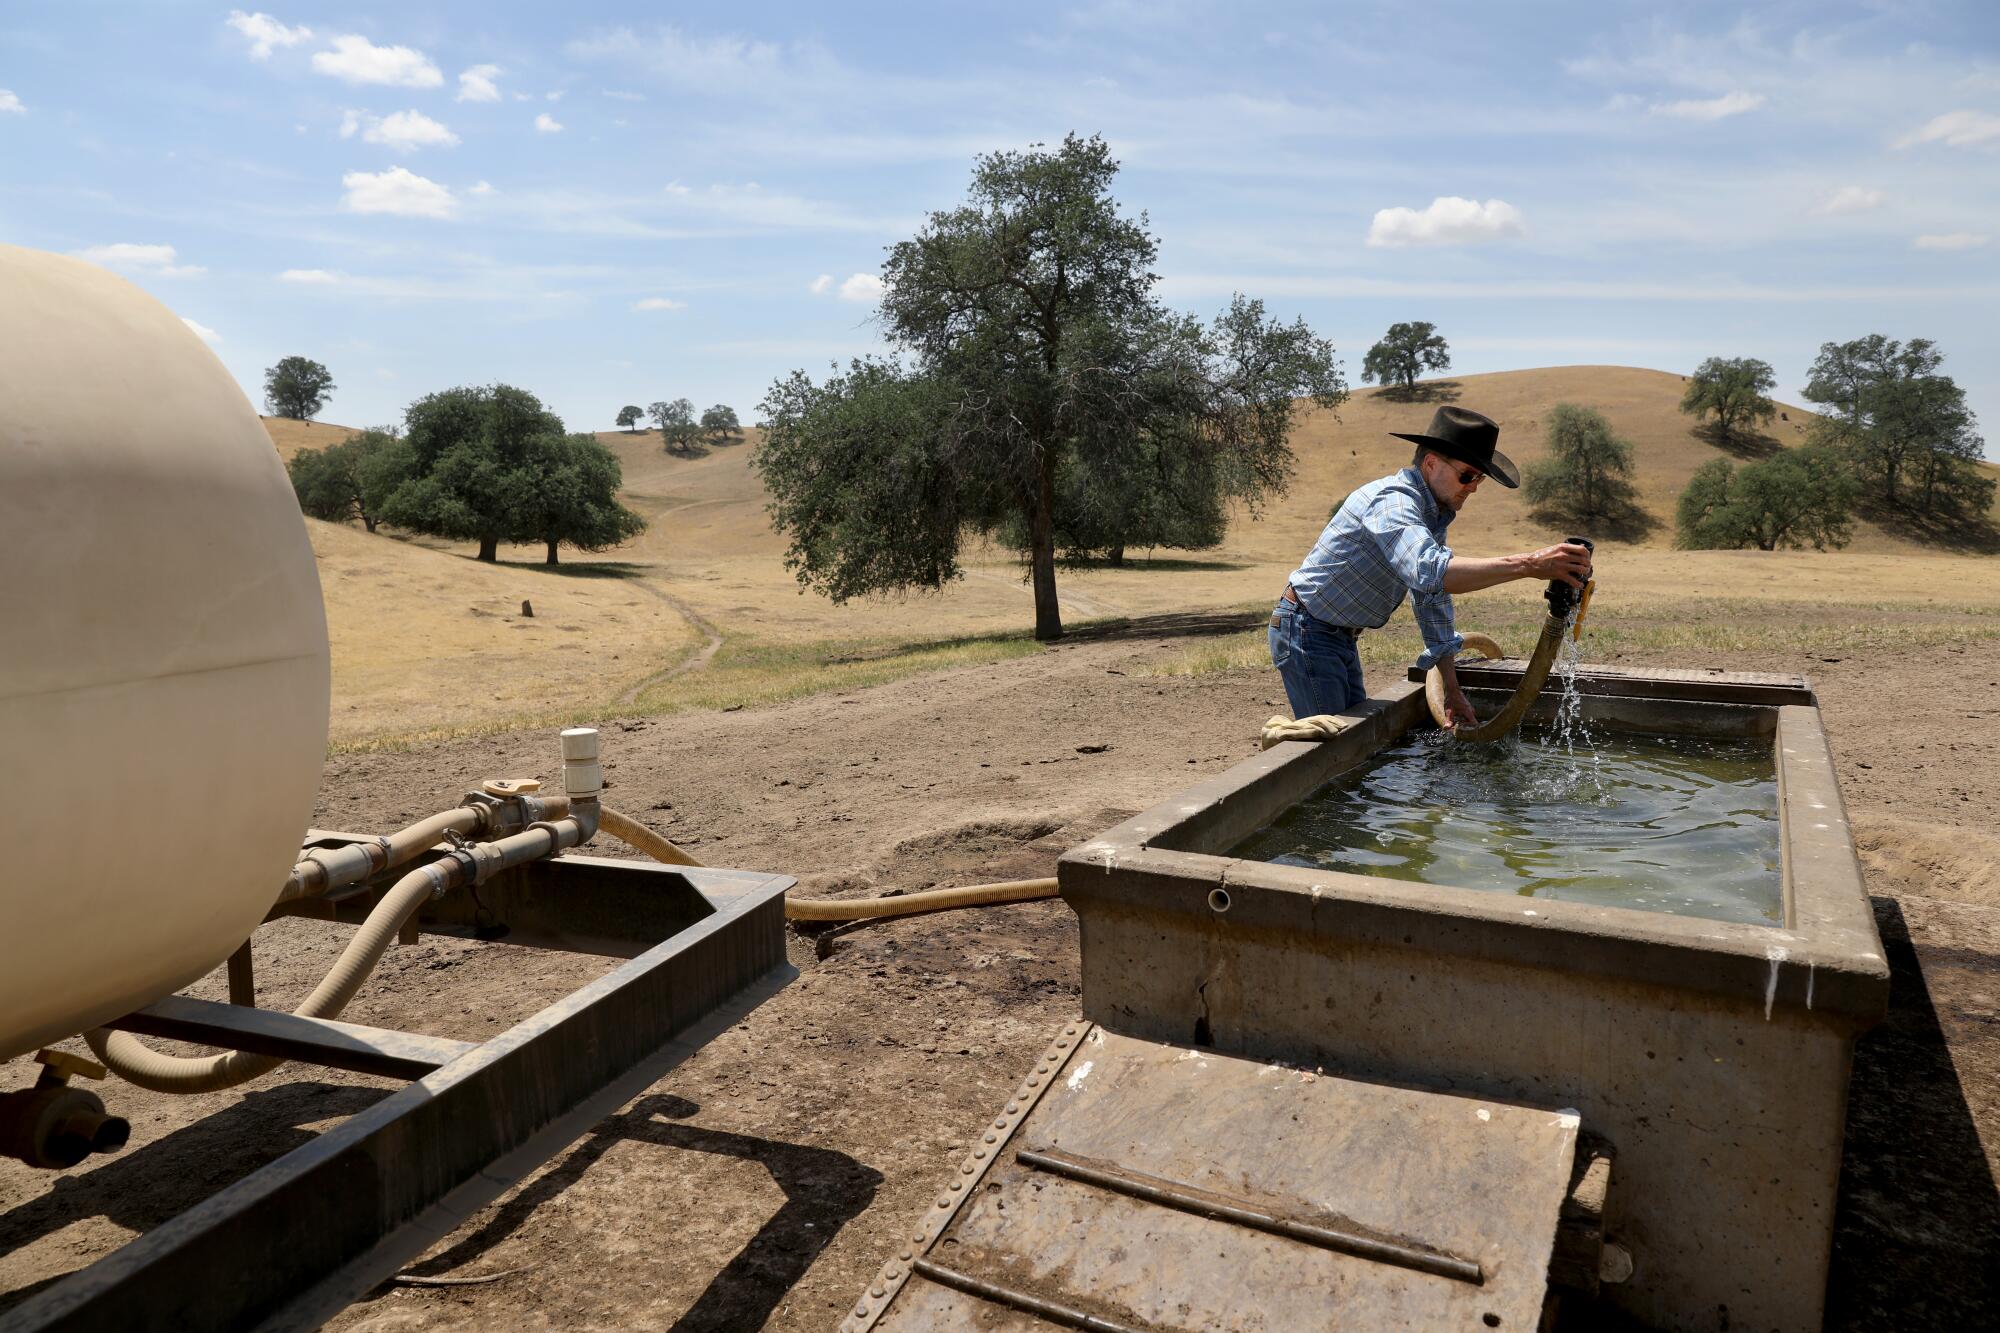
163 656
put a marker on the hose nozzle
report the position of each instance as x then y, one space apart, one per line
1561 597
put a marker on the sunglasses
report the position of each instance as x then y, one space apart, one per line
1470 475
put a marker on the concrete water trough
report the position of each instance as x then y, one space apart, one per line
1712 1056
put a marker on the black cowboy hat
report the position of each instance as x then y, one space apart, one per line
1469 437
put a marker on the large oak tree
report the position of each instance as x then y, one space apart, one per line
1027 344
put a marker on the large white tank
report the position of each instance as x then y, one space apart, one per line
163 657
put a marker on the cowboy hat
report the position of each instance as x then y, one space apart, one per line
1469 437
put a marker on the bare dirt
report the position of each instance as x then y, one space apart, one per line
764 1181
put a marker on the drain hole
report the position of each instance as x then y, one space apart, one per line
1490 1320
1218 900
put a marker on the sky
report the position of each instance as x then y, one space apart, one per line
616 203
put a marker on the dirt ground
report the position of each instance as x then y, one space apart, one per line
763 1182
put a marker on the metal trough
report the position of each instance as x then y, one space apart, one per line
290 1244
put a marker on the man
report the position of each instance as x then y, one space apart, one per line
1386 539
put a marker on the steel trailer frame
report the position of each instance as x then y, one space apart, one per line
295 1241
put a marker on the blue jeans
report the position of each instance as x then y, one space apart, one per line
1320 664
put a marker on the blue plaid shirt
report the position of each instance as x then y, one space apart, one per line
1387 538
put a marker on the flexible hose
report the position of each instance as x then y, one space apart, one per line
1532 680
640 838
135 1062
637 836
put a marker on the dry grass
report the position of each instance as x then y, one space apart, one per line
426 641
1714 630
290 436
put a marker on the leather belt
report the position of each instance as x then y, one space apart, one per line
1293 598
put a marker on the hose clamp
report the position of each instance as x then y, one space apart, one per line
440 882
557 832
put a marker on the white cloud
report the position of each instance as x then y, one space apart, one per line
821 285
265 32
715 63
9 102
555 97
862 287
397 191
548 124
659 303
309 277
481 188
202 331
1951 240
1851 199
620 95
405 131
154 260
1955 129
1711 108
1448 221
357 60
477 84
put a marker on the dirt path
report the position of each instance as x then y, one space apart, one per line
762 1183
694 661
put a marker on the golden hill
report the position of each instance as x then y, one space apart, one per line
427 639
291 436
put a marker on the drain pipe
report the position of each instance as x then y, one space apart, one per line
471 864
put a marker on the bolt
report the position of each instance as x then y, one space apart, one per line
958 1184
876 1291
904 1255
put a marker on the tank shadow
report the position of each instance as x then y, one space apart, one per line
1916 1240
823 1189
140 1189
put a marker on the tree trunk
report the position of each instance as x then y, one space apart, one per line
1118 554
1042 547
489 550
553 542
368 521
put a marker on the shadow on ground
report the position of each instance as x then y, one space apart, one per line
824 1190
1956 533
1916 1240
1747 445
1424 391
1624 523
141 1189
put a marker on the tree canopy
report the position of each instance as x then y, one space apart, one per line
297 387
1901 424
1798 497
678 429
629 416
491 464
720 426
1405 352
1735 389
347 480
1588 469
570 495
1031 362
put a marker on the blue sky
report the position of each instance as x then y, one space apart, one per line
612 203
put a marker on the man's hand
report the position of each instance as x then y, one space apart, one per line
1568 562
1459 709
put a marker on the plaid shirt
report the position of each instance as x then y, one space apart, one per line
1387 538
